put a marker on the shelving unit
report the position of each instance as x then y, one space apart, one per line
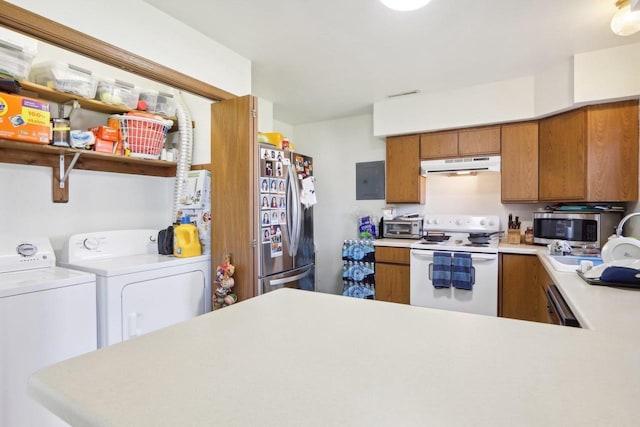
62 160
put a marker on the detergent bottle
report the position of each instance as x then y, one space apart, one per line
185 239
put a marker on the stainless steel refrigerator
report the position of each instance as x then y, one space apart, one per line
286 198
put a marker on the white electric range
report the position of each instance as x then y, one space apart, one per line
457 268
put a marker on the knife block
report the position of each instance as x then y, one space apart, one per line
513 236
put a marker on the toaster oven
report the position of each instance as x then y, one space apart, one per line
409 228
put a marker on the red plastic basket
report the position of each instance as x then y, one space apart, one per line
144 137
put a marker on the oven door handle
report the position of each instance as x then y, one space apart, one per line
474 256
473 273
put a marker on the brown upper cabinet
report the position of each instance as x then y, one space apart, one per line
590 154
404 182
519 162
460 143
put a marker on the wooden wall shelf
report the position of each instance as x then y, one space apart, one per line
25 153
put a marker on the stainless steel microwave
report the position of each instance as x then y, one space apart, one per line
403 228
579 229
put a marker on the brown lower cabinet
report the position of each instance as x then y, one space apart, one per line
392 274
521 288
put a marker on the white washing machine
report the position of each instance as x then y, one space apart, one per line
138 290
47 314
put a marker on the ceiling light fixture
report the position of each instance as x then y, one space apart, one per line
626 21
405 5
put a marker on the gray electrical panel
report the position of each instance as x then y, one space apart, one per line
370 181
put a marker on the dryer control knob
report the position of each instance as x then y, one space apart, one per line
91 243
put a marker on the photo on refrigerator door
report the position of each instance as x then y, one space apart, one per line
265 219
275 218
265 203
276 245
266 235
273 186
264 185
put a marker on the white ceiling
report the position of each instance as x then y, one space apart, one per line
319 60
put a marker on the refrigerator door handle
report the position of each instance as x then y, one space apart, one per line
290 213
295 211
290 279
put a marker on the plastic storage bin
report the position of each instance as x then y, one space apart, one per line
65 77
159 102
117 92
16 54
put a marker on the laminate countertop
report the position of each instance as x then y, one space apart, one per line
298 358
614 310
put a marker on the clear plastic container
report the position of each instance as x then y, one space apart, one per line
16 54
117 92
159 102
65 77
150 98
165 104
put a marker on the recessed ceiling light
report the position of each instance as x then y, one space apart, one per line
405 5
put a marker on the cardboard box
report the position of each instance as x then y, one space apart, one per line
196 190
24 119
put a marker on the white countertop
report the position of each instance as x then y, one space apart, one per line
296 358
395 243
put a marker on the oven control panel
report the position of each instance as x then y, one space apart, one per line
462 223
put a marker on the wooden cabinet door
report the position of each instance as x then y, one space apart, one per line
404 182
520 291
613 152
519 168
562 156
392 274
392 283
233 190
479 141
439 145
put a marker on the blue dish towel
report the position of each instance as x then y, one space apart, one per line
441 270
462 277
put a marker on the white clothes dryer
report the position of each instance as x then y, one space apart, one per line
47 314
138 290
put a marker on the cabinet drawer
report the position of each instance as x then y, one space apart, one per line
392 255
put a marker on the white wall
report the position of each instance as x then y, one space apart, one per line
336 146
600 76
99 200
607 74
498 102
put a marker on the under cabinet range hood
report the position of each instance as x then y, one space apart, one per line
463 165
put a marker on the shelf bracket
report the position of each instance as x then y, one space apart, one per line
65 174
75 105
60 176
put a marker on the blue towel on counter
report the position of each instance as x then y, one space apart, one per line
462 276
441 270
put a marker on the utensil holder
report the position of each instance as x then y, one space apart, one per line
513 236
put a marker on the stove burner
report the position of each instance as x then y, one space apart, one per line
477 245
